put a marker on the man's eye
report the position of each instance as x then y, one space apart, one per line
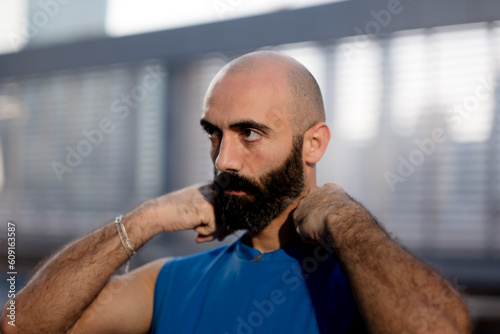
212 132
250 134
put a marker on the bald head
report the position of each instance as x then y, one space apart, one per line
304 96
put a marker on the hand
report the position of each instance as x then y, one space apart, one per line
190 208
322 210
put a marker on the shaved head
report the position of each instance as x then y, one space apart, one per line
304 96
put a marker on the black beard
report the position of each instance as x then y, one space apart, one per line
262 202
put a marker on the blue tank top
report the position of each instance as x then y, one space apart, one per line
296 290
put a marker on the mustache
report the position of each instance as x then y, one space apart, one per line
235 182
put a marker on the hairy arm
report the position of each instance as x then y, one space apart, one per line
124 305
395 292
64 287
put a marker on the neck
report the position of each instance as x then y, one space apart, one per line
280 233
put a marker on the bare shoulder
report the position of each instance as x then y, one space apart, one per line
148 272
125 304
144 276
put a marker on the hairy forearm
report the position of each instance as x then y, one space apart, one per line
395 292
66 283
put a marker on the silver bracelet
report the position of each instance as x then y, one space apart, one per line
122 233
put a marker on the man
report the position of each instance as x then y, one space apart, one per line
313 259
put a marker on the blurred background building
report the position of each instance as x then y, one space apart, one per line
100 105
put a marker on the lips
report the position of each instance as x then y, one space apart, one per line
235 192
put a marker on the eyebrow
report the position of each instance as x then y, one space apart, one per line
204 123
243 124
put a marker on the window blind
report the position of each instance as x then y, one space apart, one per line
80 146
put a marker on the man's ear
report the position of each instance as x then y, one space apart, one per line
316 140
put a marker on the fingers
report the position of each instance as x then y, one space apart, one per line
209 232
201 238
206 232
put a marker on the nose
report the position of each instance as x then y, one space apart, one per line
228 156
